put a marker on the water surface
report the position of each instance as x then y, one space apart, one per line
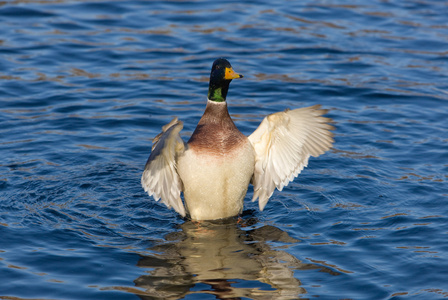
86 85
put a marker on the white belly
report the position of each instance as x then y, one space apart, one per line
215 186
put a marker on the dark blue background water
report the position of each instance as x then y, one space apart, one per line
86 85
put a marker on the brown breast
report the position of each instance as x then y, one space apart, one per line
216 133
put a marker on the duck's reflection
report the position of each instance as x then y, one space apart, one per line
223 259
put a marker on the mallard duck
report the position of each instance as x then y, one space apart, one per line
214 168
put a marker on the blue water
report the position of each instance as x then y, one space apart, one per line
86 85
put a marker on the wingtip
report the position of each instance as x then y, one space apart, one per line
262 204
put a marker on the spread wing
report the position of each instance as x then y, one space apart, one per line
283 143
160 178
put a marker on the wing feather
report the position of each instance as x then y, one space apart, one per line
283 144
160 178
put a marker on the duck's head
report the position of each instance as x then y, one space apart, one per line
220 78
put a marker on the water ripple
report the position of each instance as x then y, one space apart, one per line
86 85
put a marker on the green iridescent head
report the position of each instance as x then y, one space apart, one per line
220 78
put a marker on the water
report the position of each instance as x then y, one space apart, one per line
86 85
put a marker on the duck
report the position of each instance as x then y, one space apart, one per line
214 169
